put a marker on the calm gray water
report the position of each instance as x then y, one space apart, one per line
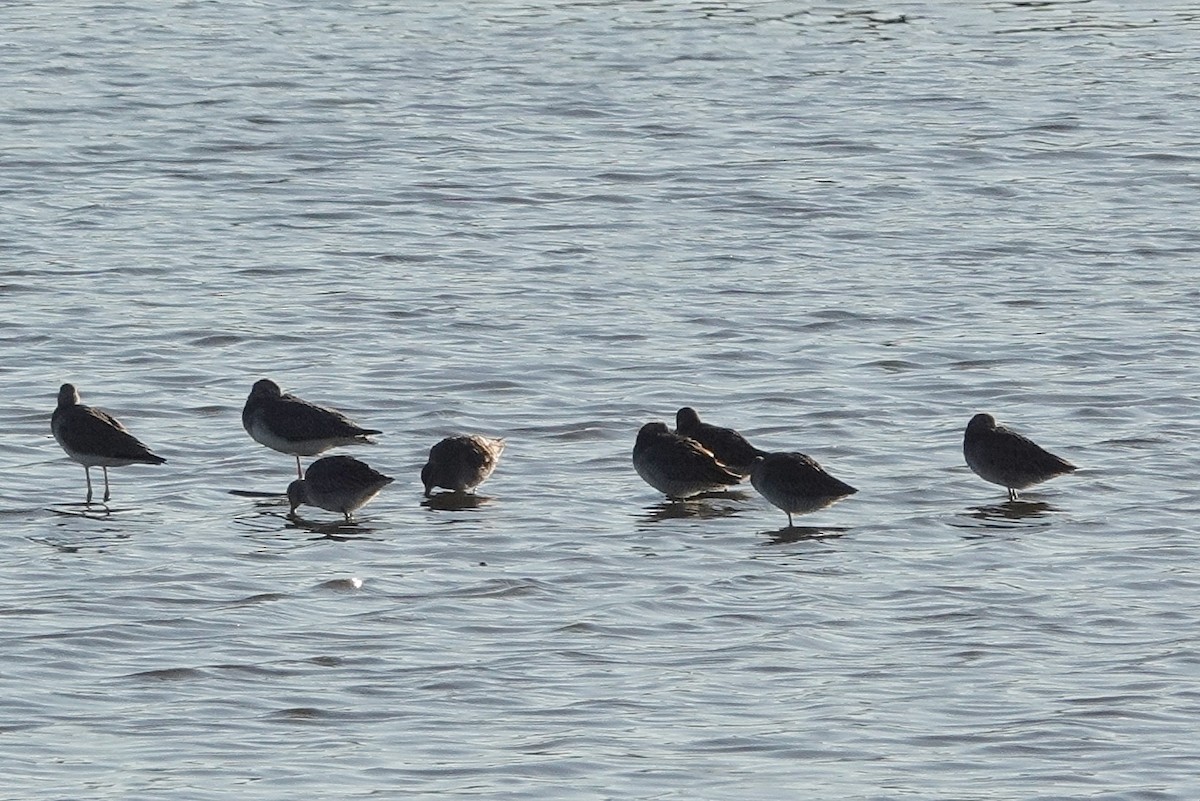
841 231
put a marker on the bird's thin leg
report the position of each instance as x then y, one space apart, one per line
789 514
87 472
1012 494
105 469
299 472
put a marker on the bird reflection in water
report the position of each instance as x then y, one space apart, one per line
90 510
1010 514
455 501
792 534
339 531
698 507
270 509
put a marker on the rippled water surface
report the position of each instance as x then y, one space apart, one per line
841 230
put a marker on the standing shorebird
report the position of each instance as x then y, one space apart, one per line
796 483
296 427
95 438
337 484
678 466
1004 457
462 463
730 447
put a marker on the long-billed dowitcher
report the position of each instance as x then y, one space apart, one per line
95 438
337 484
461 463
796 483
1002 456
730 447
296 427
678 466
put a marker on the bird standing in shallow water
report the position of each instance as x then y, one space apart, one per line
796 483
95 438
462 463
337 484
296 427
678 466
1004 457
730 447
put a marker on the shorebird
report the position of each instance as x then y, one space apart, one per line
337 484
1004 457
730 447
461 463
290 425
678 466
796 483
95 438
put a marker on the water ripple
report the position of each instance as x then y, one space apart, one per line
842 231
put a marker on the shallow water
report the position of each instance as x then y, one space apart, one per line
843 232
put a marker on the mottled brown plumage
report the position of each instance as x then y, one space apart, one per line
796 483
731 448
337 484
1002 456
678 466
461 463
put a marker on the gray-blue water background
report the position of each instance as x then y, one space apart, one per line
842 229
